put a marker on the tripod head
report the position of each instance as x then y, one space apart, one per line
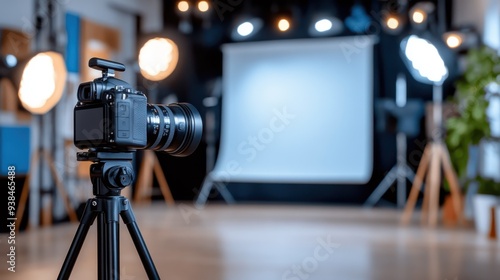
110 172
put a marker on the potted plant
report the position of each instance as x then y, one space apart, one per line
465 131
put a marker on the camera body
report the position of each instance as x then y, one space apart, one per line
110 113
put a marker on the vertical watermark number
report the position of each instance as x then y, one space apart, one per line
11 218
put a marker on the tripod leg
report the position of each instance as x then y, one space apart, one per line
417 184
410 175
109 250
451 177
434 186
102 252
129 220
113 251
224 192
202 198
382 187
85 223
401 170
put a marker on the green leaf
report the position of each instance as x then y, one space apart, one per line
483 67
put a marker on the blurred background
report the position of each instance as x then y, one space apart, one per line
360 43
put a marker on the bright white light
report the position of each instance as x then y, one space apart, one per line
183 6
419 16
454 41
38 81
158 58
283 24
203 6
392 23
42 82
323 25
10 60
425 59
245 29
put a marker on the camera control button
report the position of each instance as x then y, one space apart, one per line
123 109
123 134
124 124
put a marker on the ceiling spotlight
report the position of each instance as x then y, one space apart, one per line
392 23
454 41
419 13
324 25
203 6
419 16
461 39
246 28
158 58
184 12
9 61
204 12
325 20
183 6
283 24
247 23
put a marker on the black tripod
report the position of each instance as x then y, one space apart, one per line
110 173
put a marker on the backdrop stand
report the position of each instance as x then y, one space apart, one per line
399 172
408 114
208 185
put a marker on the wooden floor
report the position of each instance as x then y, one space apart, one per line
269 242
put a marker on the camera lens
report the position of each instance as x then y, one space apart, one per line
175 128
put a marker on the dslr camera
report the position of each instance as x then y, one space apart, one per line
112 115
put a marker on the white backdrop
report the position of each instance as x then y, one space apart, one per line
297 111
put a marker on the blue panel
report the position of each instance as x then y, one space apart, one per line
14 149
73 46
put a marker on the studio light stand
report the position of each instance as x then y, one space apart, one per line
435 156
427 66
109 173
40 157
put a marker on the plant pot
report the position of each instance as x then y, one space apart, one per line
450 216
497 221
471 172
482 204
